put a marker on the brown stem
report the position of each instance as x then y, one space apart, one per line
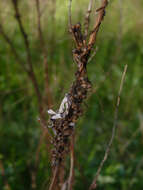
72 157
48 97
29 60
47 100
39 22
70 17
99 19
94 183
87 18
28 68
64 126
23 32
13 50
29 72
54 179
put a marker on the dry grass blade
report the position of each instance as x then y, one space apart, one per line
94 183
87 18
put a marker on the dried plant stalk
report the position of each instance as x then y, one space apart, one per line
87 18
30 70
48 97
26 65
100 17
71 176
63 121
94 183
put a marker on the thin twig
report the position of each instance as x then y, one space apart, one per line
76 95
127 144
29 60
13 50
23 32
93 55
94 183
69 13
72 157
87 18
28 68
64 187
100 17
48 96
134 175
54 178
39 21
29 72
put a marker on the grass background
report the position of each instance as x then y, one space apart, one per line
119 42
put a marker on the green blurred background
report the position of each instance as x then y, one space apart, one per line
120 42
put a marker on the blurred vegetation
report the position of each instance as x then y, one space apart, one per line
119 42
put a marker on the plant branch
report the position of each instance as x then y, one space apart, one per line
54 178
63 121
72 160
100 17
94 183
29 60
27 67
48 96
39 22
87 19
70 17
23 32
13 50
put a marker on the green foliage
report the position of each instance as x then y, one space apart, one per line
119 42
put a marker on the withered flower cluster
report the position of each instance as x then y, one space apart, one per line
63 121
63 125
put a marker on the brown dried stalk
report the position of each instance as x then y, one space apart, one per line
71 176
29 60
100 17
23 32
27 66
39 22
30 70
54 179
63 121
24 65
48 96
70 17
94 183
87 18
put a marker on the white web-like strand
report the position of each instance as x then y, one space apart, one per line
62 112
